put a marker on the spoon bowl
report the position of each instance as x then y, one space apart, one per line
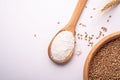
50 55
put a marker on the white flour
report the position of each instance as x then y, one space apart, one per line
62 45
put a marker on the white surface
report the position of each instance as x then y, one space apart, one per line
24 57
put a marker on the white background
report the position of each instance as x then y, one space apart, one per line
24 56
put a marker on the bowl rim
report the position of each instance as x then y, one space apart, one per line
95 49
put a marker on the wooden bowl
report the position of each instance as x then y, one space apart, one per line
95 49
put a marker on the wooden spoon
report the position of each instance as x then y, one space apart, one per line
69 27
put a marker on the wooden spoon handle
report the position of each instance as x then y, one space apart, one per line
77 12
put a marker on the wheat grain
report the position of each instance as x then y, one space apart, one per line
110 4
105 64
